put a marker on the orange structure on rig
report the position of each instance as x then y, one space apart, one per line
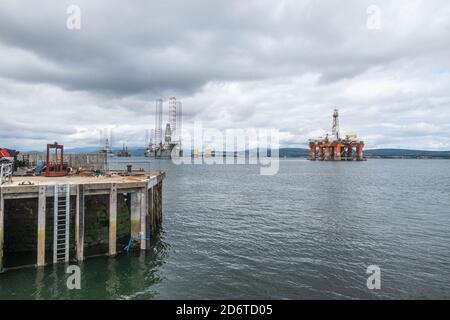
334 148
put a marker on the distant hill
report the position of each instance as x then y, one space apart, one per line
133 151
81 150
405 153
293 152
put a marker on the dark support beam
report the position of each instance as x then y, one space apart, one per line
150 207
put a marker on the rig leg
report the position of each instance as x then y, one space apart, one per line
320 154
349 153
312 152
337 152
359 151
327 153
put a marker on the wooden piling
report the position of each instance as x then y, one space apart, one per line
41 226
112 219
144 213
150 207
135 214
145 207
79 223
157 203
160 203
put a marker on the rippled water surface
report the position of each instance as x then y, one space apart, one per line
308 232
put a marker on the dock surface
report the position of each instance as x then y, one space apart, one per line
67 194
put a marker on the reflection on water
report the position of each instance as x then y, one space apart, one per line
122 277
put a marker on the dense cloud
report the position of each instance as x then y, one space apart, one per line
234 64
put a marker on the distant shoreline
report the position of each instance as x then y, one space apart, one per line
304 153
375 158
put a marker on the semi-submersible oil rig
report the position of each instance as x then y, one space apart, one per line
334 148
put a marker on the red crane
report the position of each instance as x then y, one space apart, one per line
55 167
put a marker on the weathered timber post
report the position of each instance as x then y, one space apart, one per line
2 216
157 200
135 208
42 198
112 219
150 206
160 203
144 218
79 223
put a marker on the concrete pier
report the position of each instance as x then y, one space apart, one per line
144 190
79 223
144 217
135 214
112 219
41 226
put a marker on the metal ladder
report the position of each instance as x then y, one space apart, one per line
61 222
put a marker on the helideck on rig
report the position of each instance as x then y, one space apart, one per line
334 148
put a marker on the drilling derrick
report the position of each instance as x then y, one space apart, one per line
158 121
167 143
168 134
173 114
335 129
335 148
179 122
106 141
151 138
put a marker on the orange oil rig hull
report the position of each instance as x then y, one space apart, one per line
334 148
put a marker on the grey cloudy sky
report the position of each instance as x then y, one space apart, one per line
234 64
